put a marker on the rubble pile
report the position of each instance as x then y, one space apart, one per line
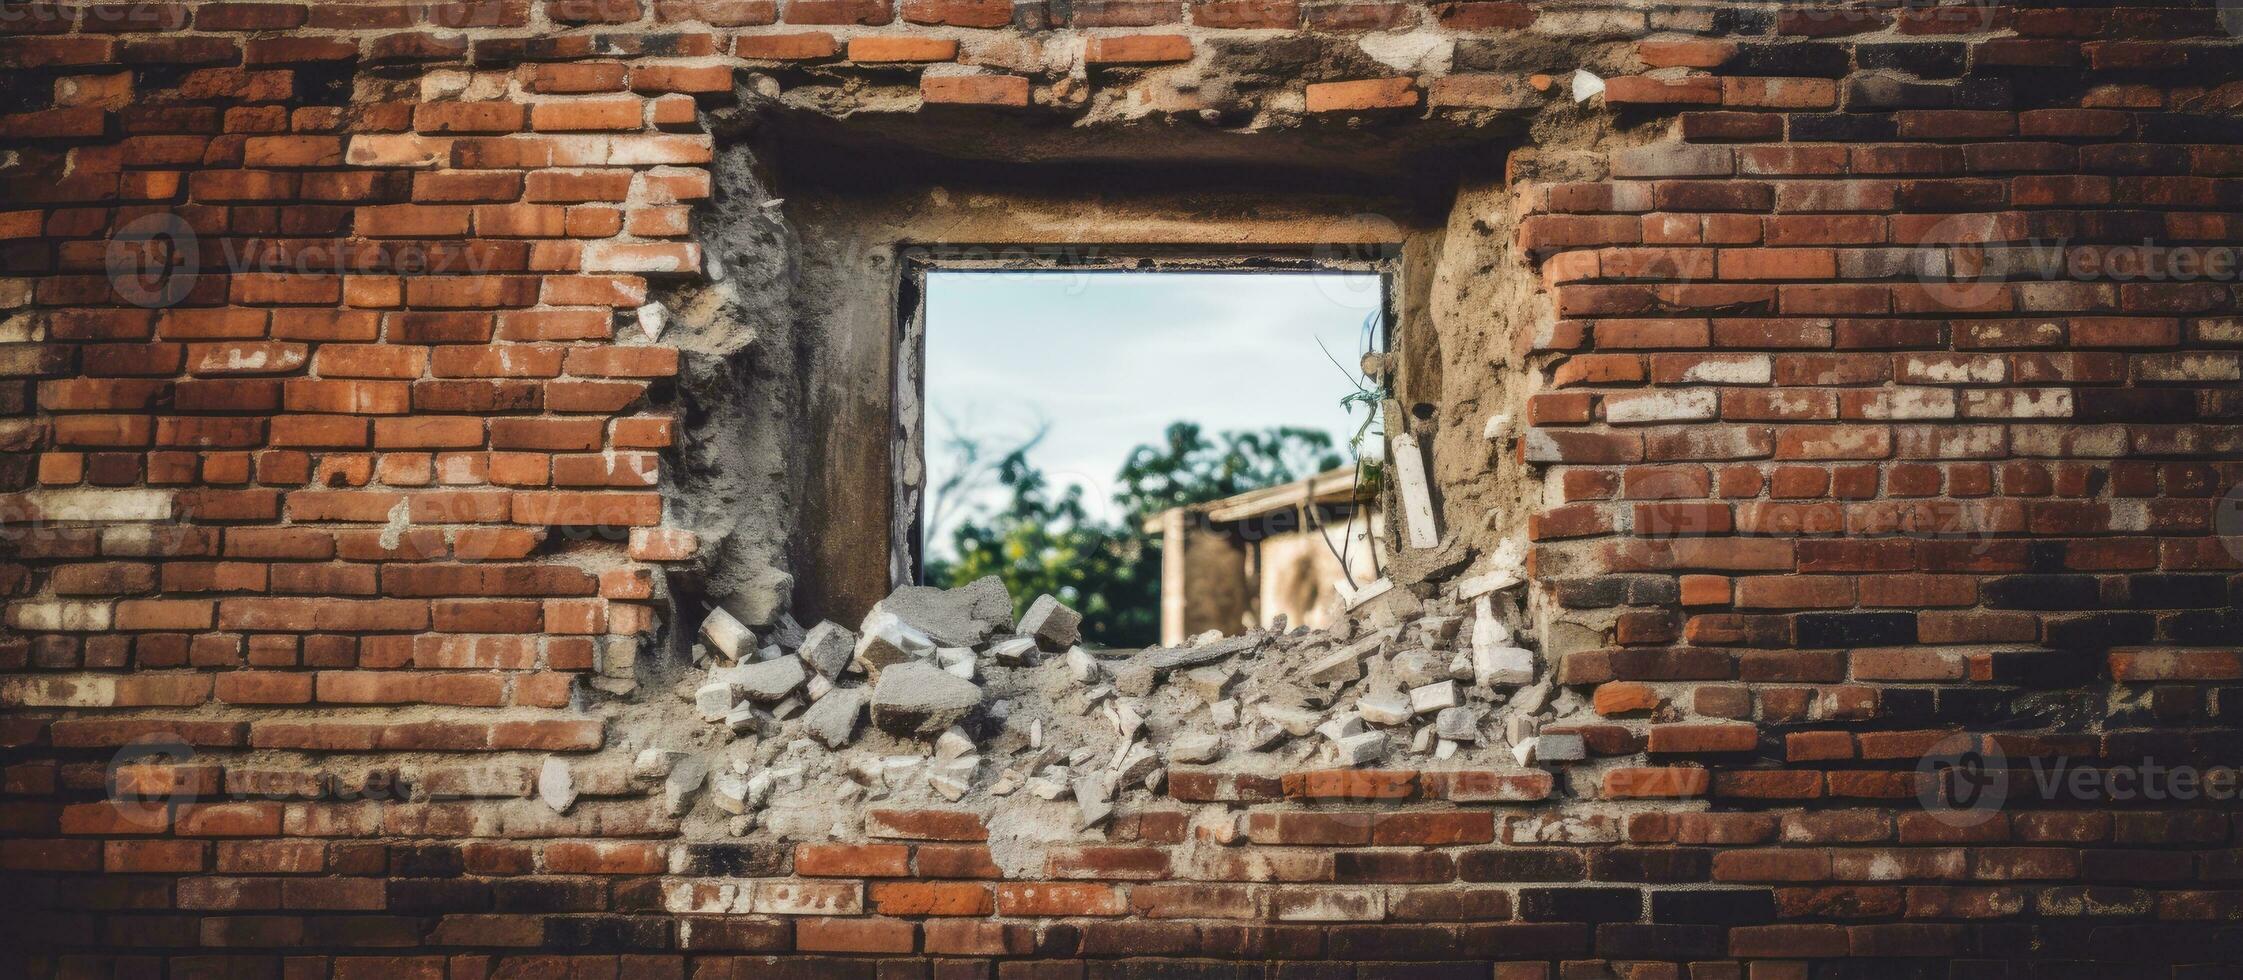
939 694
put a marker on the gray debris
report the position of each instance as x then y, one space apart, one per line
833 719
1168 659
960 617
1135 679
714 699
1337 667
1562 747
1209 683
1362 749
769 681
828 648
1054 626
920 700
684 780
1457 724
1532 698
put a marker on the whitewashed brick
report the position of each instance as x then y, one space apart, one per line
1637 408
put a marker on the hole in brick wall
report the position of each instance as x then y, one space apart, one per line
812 656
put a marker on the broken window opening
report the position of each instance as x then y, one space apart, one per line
1241 448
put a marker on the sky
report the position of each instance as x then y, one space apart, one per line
1108 359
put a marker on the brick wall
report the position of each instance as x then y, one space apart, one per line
323 547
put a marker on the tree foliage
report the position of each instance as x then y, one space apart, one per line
1045 541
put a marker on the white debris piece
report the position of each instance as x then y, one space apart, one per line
1493 582
1352 598
1532 698
888 640
1082 666
1494 661
1019 651
652 318
958 661
1523 750
1384 709
1418 520
713 699
653 763
1343 726
725 634
1435 697
1294 721
1195 748
555 785
1224 712
1134 762
950 787
730 790
954 743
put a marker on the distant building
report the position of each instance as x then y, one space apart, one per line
1242 561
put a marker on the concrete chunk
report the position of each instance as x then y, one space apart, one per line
726 635
1384 709
833 719
888 640
921 700
1362 749
1195 749
1435 697
828 648
960 617
714 699
1054 626
769 681
684 780
1020 651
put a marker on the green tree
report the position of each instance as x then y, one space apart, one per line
1186 467
1042 542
